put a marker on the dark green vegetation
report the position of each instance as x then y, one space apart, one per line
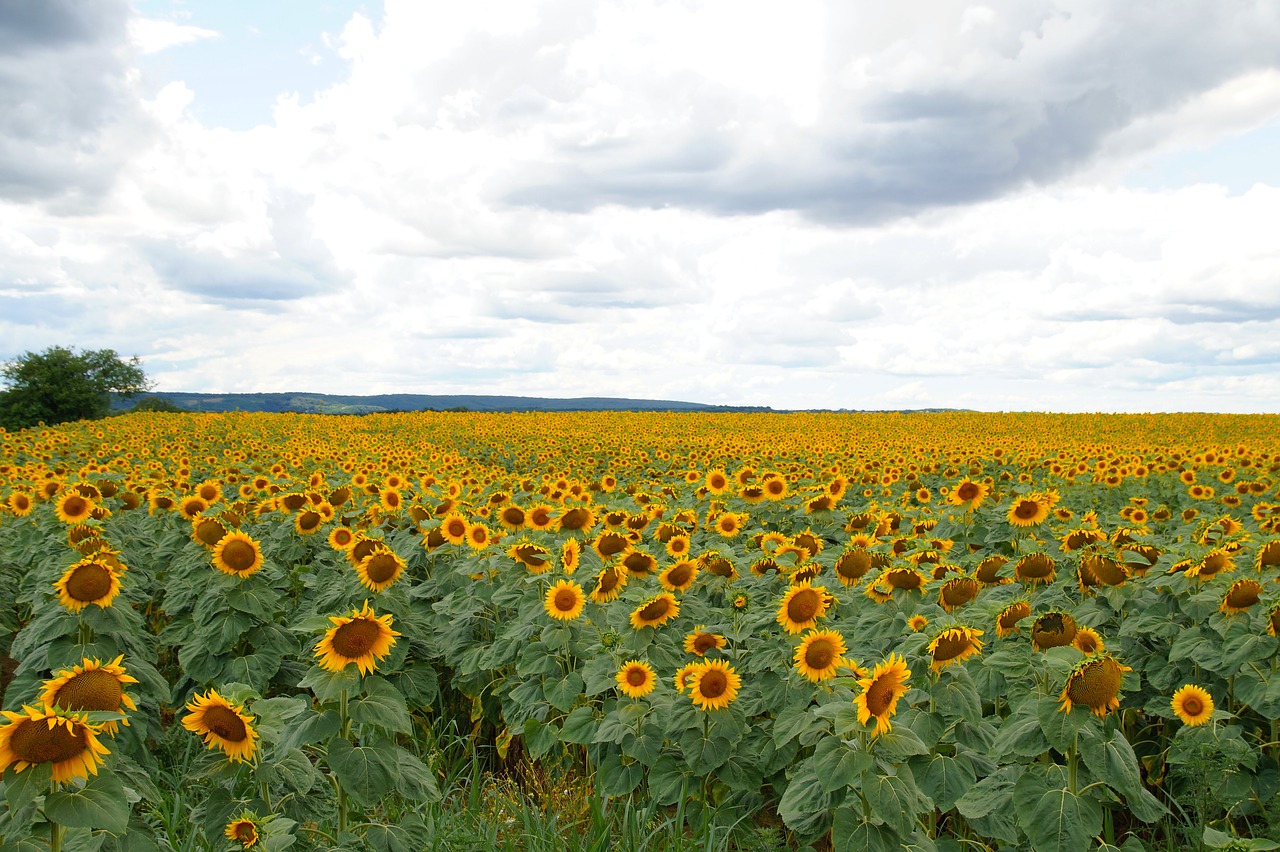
61 384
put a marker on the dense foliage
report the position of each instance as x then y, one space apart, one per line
61 384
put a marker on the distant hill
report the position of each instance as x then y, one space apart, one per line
324 403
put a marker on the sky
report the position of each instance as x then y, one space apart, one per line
1016 205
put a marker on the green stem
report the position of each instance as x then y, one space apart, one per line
1073 759
55 831
344 721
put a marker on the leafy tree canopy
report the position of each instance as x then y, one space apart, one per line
61 384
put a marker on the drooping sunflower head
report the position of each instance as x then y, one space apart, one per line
610 543
656 611
801 607
904 578
91 685
565 600
238 555
1193 705
881 691
380 569
636 679
89 581
679 576
62 738
957 592
243 829
207 530
714 685
1088 641
1243 594
1053 629
700 641
638 562
819 654
609 583
534 557
363 638
579 518
1034 568
852 565
1007 620
954 645
223 724
1094 683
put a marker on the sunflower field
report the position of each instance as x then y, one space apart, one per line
841 631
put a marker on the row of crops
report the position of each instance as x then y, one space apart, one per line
875 631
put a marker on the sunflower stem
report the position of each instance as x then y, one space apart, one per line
1072 763
344 722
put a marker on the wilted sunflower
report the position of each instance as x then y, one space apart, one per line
62 738
904 578
801 607
1088 641
880 693
243 829
713 685
1028 511
362 637
957 592
91 685
700 641
1094 683
1193 705
609 583
223 724
636 679
1053 630
238 555
656 611
1034 568
819 654
565 600
380 569
1216 561
1243 594
1101 569
73 507
89 581
954 645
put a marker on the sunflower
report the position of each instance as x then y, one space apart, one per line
362 638
988 571
852 565
91 685
578 518
880 693
512 517
636 679
684 675
238 555
610 543
1273 620
1243 594
957 592
713 685
89 581
1218 560
819 654
532 556
565 600
967 494
954 645
223 724
656 611
700 641
59 737
1101 569
478 536
207 531
609 583
638 562
718 564
717 481
1028 511
307 521
904 578
342 538
20 504
454 528
73 507
380 569
1094 683
243 830
678 546
917 623
1193 705
730 524
801 607
1088 641
570 555
679 577
1034 568
1053 630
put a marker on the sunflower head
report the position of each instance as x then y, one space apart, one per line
957 592
1034 568
1053 629
363 638
243 829
819 654
223 724
380 569
636 679
1088 641
534 557
609 583
62 738
881 690
238 555
679 576
1094 683
802 606
656 611
700 641
714 685
91 685
1243 594
1193 705
90 581
954 645
565 600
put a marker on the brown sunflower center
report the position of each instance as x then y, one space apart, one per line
1036 566
226 723
91 690
880 695
75 506
638 563
342 537
1026 510
609 580
1213 563
35 742
381 567
704 642
713 684
210 532
356 637
960 591
239 555
1095 684
89 582
637 676
456 528
654 610
950 645
904 578
720 566
610 544
854 564
820 653
574 519
1243 595
680 574
565 600
1192 705
309 520
245 832
967 491
513 515
804 605
1053 630
1013 614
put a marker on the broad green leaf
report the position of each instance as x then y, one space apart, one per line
805 806
414 779
849 833
895 799
99 804
381 706
563 692
993 793
366 772
838 765
616 778
579 726
945 779
1063 822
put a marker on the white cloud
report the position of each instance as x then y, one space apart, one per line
152 36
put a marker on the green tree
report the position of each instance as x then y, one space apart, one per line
60 384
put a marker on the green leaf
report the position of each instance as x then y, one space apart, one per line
850 834
895 799
1063 822
991 794
957 697
945 779
328 686
666 780
705 754
366 772
579 726
1020 734
21 788
381 706
136 777
1112 760
294 768
414 779
805 806
616 778
539 737
99 804
563 692
838 765
310 729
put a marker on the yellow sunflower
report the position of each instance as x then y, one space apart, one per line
1088 641
609 583
243 830
714 685
89 581
1243 594
380 569
91 685
679 576
579 518
656 611
700 641
1193 705
636 679
819 654
954 645
1094 683
957 592
880 693
454 528
62 738
801 607
684 675
917 623
570 555
362 637
610 543
208 531
967 494
238 555
534 557
73 507
223 724
565 600
1053 630
478 536
1028 511
342 538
